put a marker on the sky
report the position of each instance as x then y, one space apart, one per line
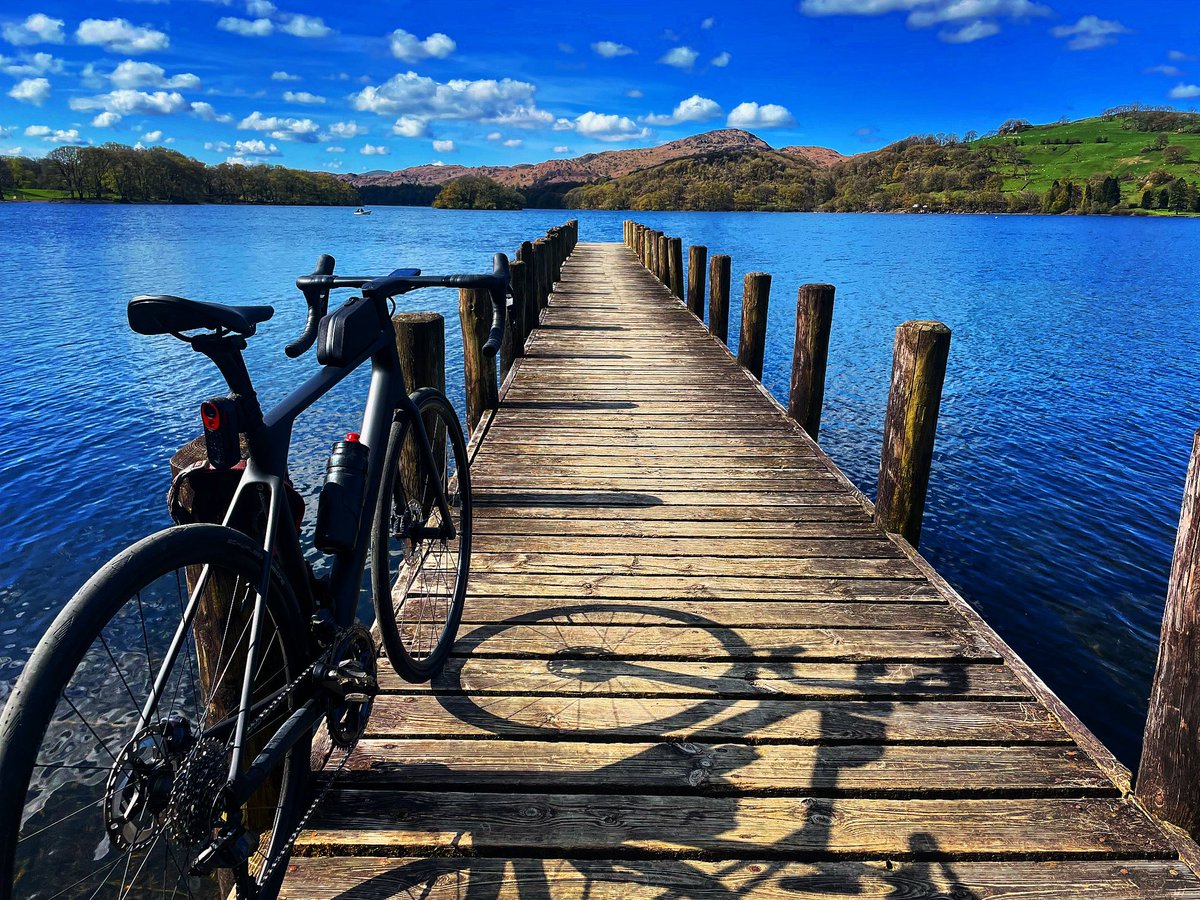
354 86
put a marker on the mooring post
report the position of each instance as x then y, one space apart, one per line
697 263
479 371
1170 769
752 341
513 346
541 259
718 297
918 372
421 343
656 253
641 247
814 318
664 260
675 267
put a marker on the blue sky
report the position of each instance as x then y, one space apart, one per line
383 85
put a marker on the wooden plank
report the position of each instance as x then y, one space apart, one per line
495 524
733 680
726 768
814 567
806 508
718 642
510 608
441 878
716 719
517 495
665 587
730 827
857 547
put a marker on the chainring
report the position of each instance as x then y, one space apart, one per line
356 676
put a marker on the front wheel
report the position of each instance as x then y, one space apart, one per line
420 557
106 791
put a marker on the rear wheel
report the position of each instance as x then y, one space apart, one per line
419 558
97 800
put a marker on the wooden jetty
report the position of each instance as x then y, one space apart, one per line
694 664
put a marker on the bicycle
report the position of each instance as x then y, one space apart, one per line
159 737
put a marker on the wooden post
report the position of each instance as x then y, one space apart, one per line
756 292
652 262
814 317
697 261
421 342
718 297
918 371
675 267
664 257
1170 767
515 332
540 260
479 371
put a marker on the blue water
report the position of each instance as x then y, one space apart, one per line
1066 421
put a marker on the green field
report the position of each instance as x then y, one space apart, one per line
1127 154
34 194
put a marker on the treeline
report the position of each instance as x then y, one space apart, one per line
477 192
116 172
924 174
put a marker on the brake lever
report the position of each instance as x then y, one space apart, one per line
317 297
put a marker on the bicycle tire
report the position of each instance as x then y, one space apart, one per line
421 578
33 723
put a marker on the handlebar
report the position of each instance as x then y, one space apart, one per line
317 286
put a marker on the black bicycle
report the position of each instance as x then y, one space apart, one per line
160 739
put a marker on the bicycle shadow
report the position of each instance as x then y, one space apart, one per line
692 768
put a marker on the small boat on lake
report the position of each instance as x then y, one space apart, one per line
362 212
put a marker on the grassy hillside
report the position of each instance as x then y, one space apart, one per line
1079 150
1143 161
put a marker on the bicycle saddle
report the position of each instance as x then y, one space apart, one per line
164 314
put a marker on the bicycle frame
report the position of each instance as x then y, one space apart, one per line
269 438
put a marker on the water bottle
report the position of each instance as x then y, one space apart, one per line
339 508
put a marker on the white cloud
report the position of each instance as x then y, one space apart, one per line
335 149
70 136
1180 56
410 127
608 127
280 129
410 48
37 64
374 150
152 137
349 129
1185 91
132 74
216 146
969 33
721 60
261 7
106 120
1090 33
494 136
562 148
504 102
129 102
121 36
564 125
513 142
437 162
751 115
284 76
444 146
31 90
254 147
708 23
302 97
679 57
205 111
1169 71
694 109
634 93
305 26
246 27
611 49
925 14
37 131
36 29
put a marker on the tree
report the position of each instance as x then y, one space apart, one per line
1161 140
68 162
1178 192
1149 199
1175 154
1014 126
477 192
7 181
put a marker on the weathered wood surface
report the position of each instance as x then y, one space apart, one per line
691 665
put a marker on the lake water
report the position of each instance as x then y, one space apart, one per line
1069 406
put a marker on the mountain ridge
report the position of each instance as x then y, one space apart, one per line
592 167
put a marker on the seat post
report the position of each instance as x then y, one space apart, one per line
225 350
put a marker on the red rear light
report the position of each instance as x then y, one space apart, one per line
210 415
